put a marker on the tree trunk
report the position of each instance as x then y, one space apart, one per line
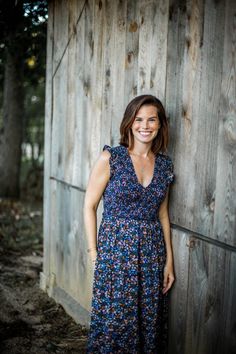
11 132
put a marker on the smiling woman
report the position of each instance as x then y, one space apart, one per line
145 108
144 129
133 253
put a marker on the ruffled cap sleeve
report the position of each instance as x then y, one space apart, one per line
112 158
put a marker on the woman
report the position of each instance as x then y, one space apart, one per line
133 253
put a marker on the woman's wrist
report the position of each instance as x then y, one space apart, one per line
169 259
91 249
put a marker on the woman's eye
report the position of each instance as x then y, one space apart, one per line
150 119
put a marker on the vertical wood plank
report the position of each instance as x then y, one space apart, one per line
179 293
85 158
206 115
70 84
107 71
59 89
47 149
227 341
79 133
120 11
158 50
132 50
225 204
208 290
144 69
197 28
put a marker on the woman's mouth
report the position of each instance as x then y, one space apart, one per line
145 133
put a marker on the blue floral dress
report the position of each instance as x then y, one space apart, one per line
129 311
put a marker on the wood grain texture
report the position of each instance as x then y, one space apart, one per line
100 55
225 202
179 293
202 310
209 287
119 81
60 97
47 149
196 40
80 75
69 261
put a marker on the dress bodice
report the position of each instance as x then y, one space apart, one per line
125 197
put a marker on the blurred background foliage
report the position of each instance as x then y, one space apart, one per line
23 30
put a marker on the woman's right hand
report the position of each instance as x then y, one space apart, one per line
93 256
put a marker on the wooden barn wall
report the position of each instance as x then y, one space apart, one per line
100 55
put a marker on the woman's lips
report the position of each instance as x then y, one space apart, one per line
145 133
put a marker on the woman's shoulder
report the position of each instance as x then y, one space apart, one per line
114 150
164 156
166 160
113 155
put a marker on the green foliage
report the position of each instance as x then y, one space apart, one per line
23 26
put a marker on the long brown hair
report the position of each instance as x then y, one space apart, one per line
161 140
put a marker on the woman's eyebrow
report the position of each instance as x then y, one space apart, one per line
148 117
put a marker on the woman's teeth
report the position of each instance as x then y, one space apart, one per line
145 133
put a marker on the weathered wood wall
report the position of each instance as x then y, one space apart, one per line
100 55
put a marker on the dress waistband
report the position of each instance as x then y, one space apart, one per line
129 218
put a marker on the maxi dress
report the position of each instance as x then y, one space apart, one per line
129 312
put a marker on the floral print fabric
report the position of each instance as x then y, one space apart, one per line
129 312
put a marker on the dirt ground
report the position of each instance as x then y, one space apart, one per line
30 321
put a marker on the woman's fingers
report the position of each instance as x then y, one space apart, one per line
167 282
92 259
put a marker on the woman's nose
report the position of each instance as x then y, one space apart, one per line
145 124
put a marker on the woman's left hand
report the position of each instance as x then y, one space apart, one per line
168 278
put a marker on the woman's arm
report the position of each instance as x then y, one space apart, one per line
98 180
165 223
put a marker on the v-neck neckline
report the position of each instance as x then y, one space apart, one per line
134 172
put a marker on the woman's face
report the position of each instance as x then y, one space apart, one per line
146 124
